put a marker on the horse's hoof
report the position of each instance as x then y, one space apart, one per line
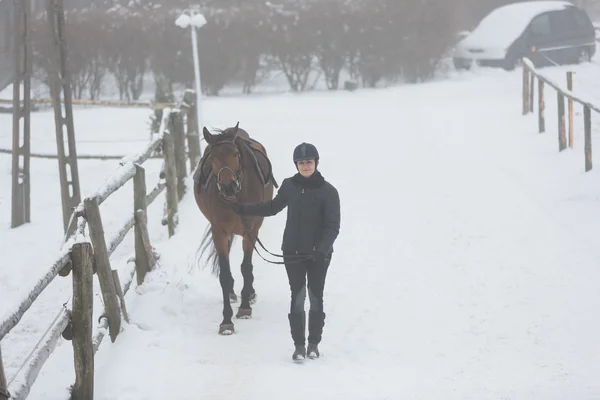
244 313
226 329
253 298
233 298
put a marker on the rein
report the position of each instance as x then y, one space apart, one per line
300 257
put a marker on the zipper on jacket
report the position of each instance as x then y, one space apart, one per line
301 206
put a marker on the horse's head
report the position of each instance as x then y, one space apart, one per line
226 161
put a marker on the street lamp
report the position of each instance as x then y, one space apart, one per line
194 19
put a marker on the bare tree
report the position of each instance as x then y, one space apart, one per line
291 43
374 41
128 59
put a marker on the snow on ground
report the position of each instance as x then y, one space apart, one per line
30 250
466 265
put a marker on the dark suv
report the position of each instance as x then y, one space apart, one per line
548 32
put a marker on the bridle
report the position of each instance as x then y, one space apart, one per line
238 175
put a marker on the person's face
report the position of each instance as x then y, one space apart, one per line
306 167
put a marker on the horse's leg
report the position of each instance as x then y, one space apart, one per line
248 293
220 240
232 296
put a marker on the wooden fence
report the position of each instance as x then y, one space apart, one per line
188 96
84 258
79 156
529 75
103 103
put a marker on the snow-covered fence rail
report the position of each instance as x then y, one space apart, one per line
188 106
84 257
529 75
103 103
79 156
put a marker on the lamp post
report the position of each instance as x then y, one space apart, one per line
194 19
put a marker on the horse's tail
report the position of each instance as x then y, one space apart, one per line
208 244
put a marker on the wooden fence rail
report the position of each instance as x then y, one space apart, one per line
85 258
101 103
79 156
529 75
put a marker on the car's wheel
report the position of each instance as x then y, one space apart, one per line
512 62
584 56
460 64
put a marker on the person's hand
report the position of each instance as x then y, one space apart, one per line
318 257
238 208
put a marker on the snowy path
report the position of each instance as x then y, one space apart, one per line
465 267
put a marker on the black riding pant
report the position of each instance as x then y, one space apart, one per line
298 275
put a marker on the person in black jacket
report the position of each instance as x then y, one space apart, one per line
313 224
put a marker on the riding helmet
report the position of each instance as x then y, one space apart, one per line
305 151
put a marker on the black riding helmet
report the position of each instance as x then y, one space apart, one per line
306 151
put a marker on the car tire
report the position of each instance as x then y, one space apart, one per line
584 56
512 62
460 67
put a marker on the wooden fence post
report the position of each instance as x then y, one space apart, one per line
171 180
81 316
193 131
141 220
570 105
176 129
142 261
541 107
531 91
562 139
4 395
103 269
525 89
587 125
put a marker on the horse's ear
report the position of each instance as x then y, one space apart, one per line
237 130
207 136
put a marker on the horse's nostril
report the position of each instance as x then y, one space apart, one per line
230 187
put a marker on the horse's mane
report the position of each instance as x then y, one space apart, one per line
223 135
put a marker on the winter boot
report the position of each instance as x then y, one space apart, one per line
313 351
298 329
299 354
316 321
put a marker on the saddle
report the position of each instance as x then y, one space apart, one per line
262 164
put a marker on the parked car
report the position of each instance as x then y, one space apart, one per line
548 32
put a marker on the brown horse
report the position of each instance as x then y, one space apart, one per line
234 169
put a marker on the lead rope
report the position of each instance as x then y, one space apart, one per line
299 257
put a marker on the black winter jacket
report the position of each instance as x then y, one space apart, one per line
313 217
